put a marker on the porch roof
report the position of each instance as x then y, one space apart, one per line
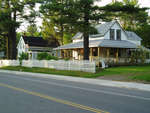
100 43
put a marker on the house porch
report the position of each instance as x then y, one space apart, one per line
98 53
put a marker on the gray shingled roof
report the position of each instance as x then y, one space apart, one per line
132 36
78 35
103 28
100 43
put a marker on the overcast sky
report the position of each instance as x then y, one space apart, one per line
143 3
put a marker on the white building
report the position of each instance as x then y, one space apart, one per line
34 45
111 43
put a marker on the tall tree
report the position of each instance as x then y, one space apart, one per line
53 11
49 33
77 14
81 14
12 13
129 13
143 32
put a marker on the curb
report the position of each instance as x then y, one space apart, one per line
129 85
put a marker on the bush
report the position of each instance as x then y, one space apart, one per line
139 56
23 56
46 56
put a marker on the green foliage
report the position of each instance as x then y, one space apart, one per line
132 17
32 30
55 25
23 56
129 13
49 33
12 12
143 32
46 56
80 15
2 44
131 2
73 16
139 55
67 38
132 73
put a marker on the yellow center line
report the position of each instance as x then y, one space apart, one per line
69 103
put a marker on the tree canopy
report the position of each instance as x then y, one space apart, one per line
12 14
63 18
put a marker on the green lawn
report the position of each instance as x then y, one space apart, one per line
133 73
51 71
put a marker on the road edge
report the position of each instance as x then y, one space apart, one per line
109 83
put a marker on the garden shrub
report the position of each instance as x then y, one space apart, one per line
139 56
23 56
46 56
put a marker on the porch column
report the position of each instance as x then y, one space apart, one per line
61 52
107 52
98 52
91 53
32 56
56 53
98 56
79 54
71 54
65 53
102 52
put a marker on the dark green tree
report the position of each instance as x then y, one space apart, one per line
129 13
143 32
72 15
49 33
12 14
82 14
2 44
53 12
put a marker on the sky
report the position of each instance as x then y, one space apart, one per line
143 3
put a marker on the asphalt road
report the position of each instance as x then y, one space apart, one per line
28 94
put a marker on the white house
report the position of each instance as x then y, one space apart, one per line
34 45
112 43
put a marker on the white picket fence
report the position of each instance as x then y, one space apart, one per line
9 63
85 66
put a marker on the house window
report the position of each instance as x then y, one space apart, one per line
112 34
118 34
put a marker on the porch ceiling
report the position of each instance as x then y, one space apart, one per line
100 43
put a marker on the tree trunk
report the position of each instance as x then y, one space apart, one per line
86 33
12 40
62 34
14 47
86 46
